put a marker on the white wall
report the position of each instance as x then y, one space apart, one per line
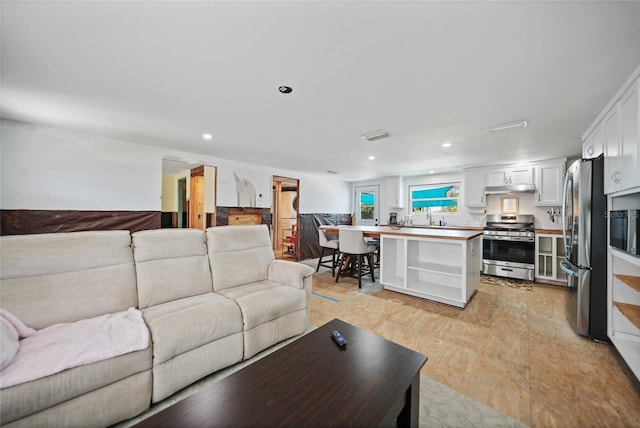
47 168
526 205
169 192
59 170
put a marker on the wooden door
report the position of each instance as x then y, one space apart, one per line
196 199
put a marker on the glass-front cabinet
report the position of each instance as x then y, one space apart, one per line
549 254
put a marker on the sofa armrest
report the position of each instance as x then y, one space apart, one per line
289 273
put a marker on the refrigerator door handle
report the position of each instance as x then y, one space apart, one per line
567 248
564 265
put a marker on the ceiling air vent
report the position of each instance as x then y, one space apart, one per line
375 135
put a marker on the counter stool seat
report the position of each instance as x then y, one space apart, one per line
327 244
353 246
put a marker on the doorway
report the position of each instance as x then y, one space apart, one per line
285 217
367 205
183 206
188 194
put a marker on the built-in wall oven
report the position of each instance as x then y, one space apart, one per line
508 246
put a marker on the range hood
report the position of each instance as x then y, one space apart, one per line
510 188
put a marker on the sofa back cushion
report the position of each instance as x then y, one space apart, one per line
170 264
64 277
239 254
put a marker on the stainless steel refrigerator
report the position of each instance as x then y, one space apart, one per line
584 224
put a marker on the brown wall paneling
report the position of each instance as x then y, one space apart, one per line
23 222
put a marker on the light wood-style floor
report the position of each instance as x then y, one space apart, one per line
510 348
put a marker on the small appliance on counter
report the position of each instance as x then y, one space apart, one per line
393 218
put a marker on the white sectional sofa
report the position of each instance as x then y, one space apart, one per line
208 301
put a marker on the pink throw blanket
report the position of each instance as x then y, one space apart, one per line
63 346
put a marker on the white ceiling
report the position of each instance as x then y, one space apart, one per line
163 73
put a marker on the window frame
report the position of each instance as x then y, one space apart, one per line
431 186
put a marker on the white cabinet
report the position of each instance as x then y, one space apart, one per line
623 315
510 175
549 254
630 137
395 192
621 130
473 185
611 140
549 183
592 145
443 270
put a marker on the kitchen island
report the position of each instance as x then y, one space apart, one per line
434 263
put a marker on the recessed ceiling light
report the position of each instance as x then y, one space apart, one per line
522 123
445 145
372 157
285 89
431 172
207 136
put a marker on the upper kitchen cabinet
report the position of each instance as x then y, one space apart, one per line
621 131
592 146
549 182
395 192
612 158
630 137
510 175
473 185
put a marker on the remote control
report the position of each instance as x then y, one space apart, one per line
337 337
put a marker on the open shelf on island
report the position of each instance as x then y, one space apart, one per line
631 281
436 291
436 267
439 269
631 312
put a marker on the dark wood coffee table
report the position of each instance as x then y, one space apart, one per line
311 382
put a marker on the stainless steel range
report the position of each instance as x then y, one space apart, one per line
508 246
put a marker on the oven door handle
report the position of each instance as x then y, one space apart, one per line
507 238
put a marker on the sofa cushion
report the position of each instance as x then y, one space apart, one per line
186 368
238 255
63 386
265 301
55 278
64 346
8 342
185 324
170 264
101 407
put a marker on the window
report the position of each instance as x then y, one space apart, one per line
439 198
367 202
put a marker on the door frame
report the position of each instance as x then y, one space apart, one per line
278 183
375 189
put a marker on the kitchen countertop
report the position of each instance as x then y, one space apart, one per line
441 232
549 231
435 226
